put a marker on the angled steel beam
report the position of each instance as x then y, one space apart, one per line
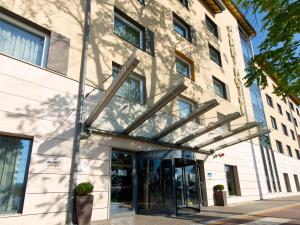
146 140
259 133
228 134
171 94
206 106
123 74
211 126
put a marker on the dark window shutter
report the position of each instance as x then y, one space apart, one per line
193 36
149 42
58 54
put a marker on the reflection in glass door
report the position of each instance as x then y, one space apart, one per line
121 183
187 185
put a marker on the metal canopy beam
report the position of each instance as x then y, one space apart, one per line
206 106
211 126
146 140
259 133
228 134
171 94
123 74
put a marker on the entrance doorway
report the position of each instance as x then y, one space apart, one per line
186 185
121 183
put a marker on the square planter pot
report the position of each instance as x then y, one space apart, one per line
220 198
84 208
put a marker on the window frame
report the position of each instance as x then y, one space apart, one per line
181 57
274 122
130 24
235 179
223 86
269 100
213 49
185 3
210 22
297 154
26 172
34 31
137 77
284 129
279 108
187 101
279 146
289 150
289 117
295 121
176 20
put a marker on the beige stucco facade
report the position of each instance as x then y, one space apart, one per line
40 104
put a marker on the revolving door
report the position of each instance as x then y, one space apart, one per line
168 183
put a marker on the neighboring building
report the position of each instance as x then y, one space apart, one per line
165 163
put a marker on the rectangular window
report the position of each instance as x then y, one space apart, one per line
297 110
297 182
292 106
289 150
184 107
23 42
14 160
184 65
132 88
279 108
232 180
269 100
279 146
289 116
128 31
284 129
293 135
274 123
214 55
298 154
295 122
219 88
211 26
184 3
181 27
287 182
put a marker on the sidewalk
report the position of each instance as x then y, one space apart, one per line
212 214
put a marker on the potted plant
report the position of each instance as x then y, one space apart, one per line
220 196
84 203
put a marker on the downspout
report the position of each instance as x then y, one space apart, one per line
79 110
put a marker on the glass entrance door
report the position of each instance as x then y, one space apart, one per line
187 184
121 183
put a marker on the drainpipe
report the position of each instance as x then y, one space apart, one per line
79 110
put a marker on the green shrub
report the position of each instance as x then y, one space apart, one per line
218 187
85 188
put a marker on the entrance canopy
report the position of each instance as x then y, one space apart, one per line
212 125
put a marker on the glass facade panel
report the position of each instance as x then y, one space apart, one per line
230 180
21 44
14 158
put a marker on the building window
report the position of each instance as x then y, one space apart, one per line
287 182
297 153
215 55
279 146
246 46
297 182
184 65
279 108
274 123
185 3
289 116
293 135
295 122
184 107
232 180
132 88
297 110
141 1
219 88
211 26
269 100
284 129
292 106
14 160
128 31
181 27
20 41
289 150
